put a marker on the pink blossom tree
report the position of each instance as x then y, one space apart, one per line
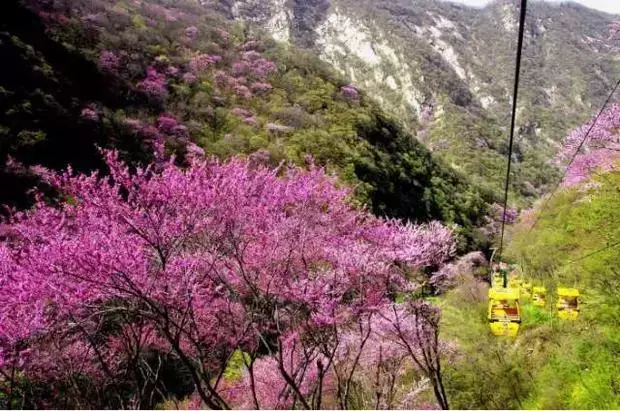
109 60
189 78
202 62
614 30
195 264
223 34
260 87
154 85
493 221
349 92
599 151
170 126
89 113
451 274
360 365
191 32
414 327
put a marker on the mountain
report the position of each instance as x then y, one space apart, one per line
446 71
192 254
154 79
441 71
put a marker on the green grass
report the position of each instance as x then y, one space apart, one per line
552 363
534 316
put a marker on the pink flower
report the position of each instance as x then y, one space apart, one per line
133 123
215 254
251 45
600 150
191 32
202 62
241 112
452 274
239 68
260 87
89 114
172 71
252 121
221 78
154 85
224 35
166 123
189 78
108 60
349 92
242 91
262 68
614 30
252 55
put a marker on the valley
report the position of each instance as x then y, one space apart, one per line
283 204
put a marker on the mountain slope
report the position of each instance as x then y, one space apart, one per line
423 59
569 240
572 245
166 78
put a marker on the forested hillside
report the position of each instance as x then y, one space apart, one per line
295 204
570 239
176 77
446 71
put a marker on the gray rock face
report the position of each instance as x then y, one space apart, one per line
407 53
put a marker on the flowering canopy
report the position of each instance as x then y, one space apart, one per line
600 150
155 84
349 92
108 60
204 260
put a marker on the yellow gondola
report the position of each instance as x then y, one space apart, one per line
514 282
526 290
498 280
568 303
539 296
504 311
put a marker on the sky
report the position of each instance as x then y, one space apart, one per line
610 6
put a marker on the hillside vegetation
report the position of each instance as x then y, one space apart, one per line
446 70
552 363
569 239
571 245
242 204
168 76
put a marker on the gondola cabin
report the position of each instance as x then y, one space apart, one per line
539 296
568 303
526 290
514 282
498 280
504 311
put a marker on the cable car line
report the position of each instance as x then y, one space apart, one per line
504 313
583 140
512 120
606 148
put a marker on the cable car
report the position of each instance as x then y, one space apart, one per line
539 296
504 311
526 290
514 282
498 280
568 303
